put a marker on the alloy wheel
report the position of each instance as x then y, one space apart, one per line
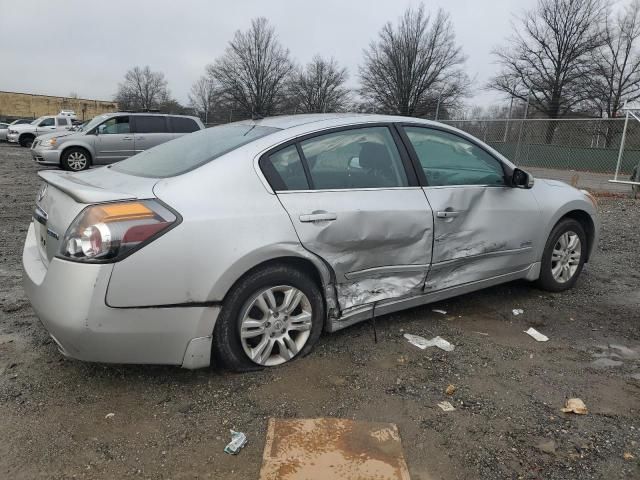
77 161
275 325
565 257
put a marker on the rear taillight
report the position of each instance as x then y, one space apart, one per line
111 231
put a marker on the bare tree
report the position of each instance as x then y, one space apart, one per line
415 67
550 57
254 70
202 97
142 89
617 64
319 87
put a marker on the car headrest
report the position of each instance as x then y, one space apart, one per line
374 156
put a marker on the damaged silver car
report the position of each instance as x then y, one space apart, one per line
238 245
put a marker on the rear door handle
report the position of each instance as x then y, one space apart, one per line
447 214
318 217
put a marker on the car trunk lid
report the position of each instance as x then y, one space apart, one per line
64 195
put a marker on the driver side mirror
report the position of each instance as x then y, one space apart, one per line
521 179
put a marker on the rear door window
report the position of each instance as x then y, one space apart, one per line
62 122
151 124
183 125
356 158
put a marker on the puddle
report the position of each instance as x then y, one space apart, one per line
606 363
614 355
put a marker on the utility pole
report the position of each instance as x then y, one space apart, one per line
438 105
526 112
506 127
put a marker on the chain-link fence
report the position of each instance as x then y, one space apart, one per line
582 145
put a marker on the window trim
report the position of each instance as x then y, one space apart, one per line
405 160
424 181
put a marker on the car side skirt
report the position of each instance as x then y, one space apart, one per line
532 272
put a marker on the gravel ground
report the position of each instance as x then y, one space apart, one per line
173 423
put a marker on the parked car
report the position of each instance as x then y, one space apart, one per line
110 138
25 134
3 130
246 241
4 127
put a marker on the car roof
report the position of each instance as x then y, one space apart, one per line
291 121
155 114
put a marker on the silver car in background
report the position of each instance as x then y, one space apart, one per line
110 138
243 242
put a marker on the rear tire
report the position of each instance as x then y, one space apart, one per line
26 140
564 256
245 324
75 159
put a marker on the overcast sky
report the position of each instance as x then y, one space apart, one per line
83 46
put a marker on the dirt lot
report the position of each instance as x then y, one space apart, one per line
173 423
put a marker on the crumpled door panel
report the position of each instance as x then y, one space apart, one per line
378 244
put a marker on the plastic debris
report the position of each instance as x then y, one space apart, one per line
443 312
450 390
423 343
238 440
517 311
575 405
628 456
532 332
110 415
446 406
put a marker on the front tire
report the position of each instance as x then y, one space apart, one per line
564 256
273 316
75 159
26 140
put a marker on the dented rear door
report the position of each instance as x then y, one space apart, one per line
360 212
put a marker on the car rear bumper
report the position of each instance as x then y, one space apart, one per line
46 156
69 299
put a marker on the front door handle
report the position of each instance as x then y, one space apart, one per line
447 214
318 217
127 138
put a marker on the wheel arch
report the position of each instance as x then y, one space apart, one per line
66 148
25 135
584 219
321 274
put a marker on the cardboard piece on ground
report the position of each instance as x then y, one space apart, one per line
532 332
322 448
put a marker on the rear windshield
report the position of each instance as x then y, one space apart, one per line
191 151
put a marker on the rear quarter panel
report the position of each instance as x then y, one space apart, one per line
230 223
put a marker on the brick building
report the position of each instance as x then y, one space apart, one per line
26 105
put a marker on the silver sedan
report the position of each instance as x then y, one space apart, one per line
240 244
